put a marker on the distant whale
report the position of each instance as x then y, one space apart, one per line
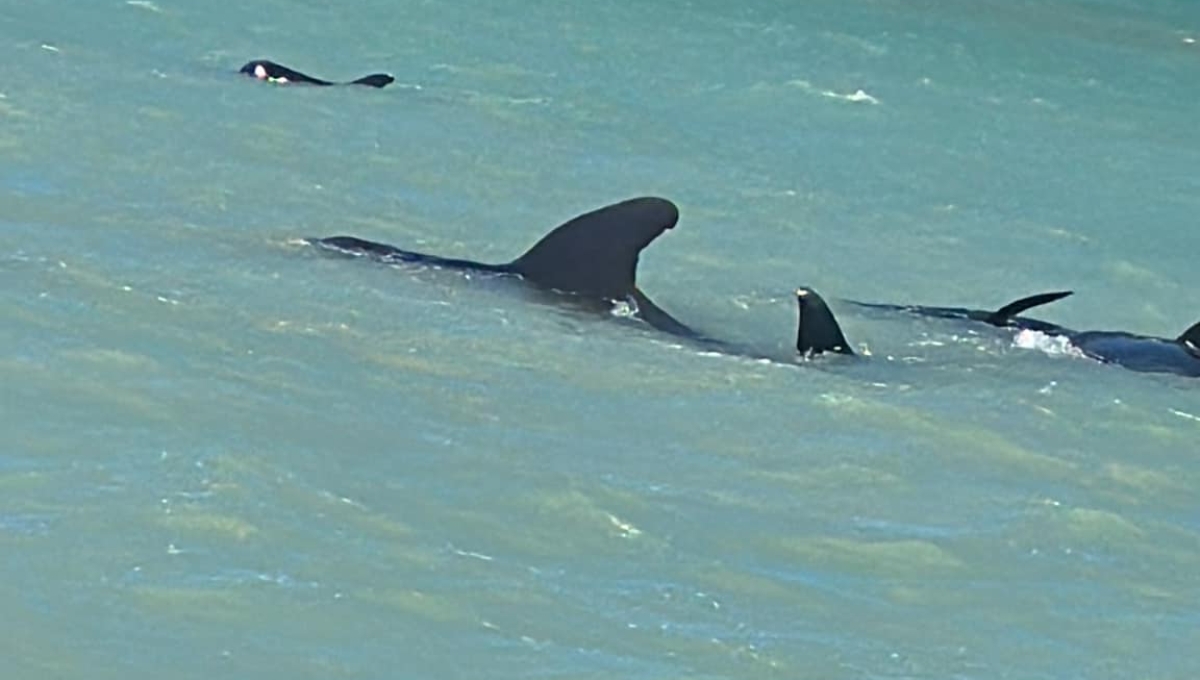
590 259
1143 353
263 69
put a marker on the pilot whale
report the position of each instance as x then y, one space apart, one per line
590 259
263 69
1004 317
1143 353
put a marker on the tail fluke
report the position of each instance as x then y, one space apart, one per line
1004 315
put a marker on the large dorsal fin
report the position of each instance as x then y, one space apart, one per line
596 254
1002 316
818 331
1191 338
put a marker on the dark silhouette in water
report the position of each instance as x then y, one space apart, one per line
592 258
276 73
1147 354
818 331
1005 317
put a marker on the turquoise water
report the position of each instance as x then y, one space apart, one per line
227 456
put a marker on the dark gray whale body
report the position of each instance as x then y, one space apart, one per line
263 69
1004 317
593 259
1143 353
590 259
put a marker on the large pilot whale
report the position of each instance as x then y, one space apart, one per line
1143 353
591 259
263 69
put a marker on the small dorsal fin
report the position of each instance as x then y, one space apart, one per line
596 254
1002 316
375 80
818 330
1191 338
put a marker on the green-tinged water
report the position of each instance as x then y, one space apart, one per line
225 455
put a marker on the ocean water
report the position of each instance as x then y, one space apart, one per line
225 455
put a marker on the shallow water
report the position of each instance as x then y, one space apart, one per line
228 456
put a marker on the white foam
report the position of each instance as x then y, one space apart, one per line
144 4
1050 344
624 309
856 96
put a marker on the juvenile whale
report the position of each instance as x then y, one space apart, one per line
1143 353
1004 317
263 69
591 258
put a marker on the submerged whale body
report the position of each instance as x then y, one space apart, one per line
590 258
1004 317
1143 353
263 69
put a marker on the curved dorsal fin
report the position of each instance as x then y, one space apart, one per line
818 331
1001 316
596 254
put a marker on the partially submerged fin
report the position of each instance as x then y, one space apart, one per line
818 330
375 80
596 254
1004 315
1191 338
